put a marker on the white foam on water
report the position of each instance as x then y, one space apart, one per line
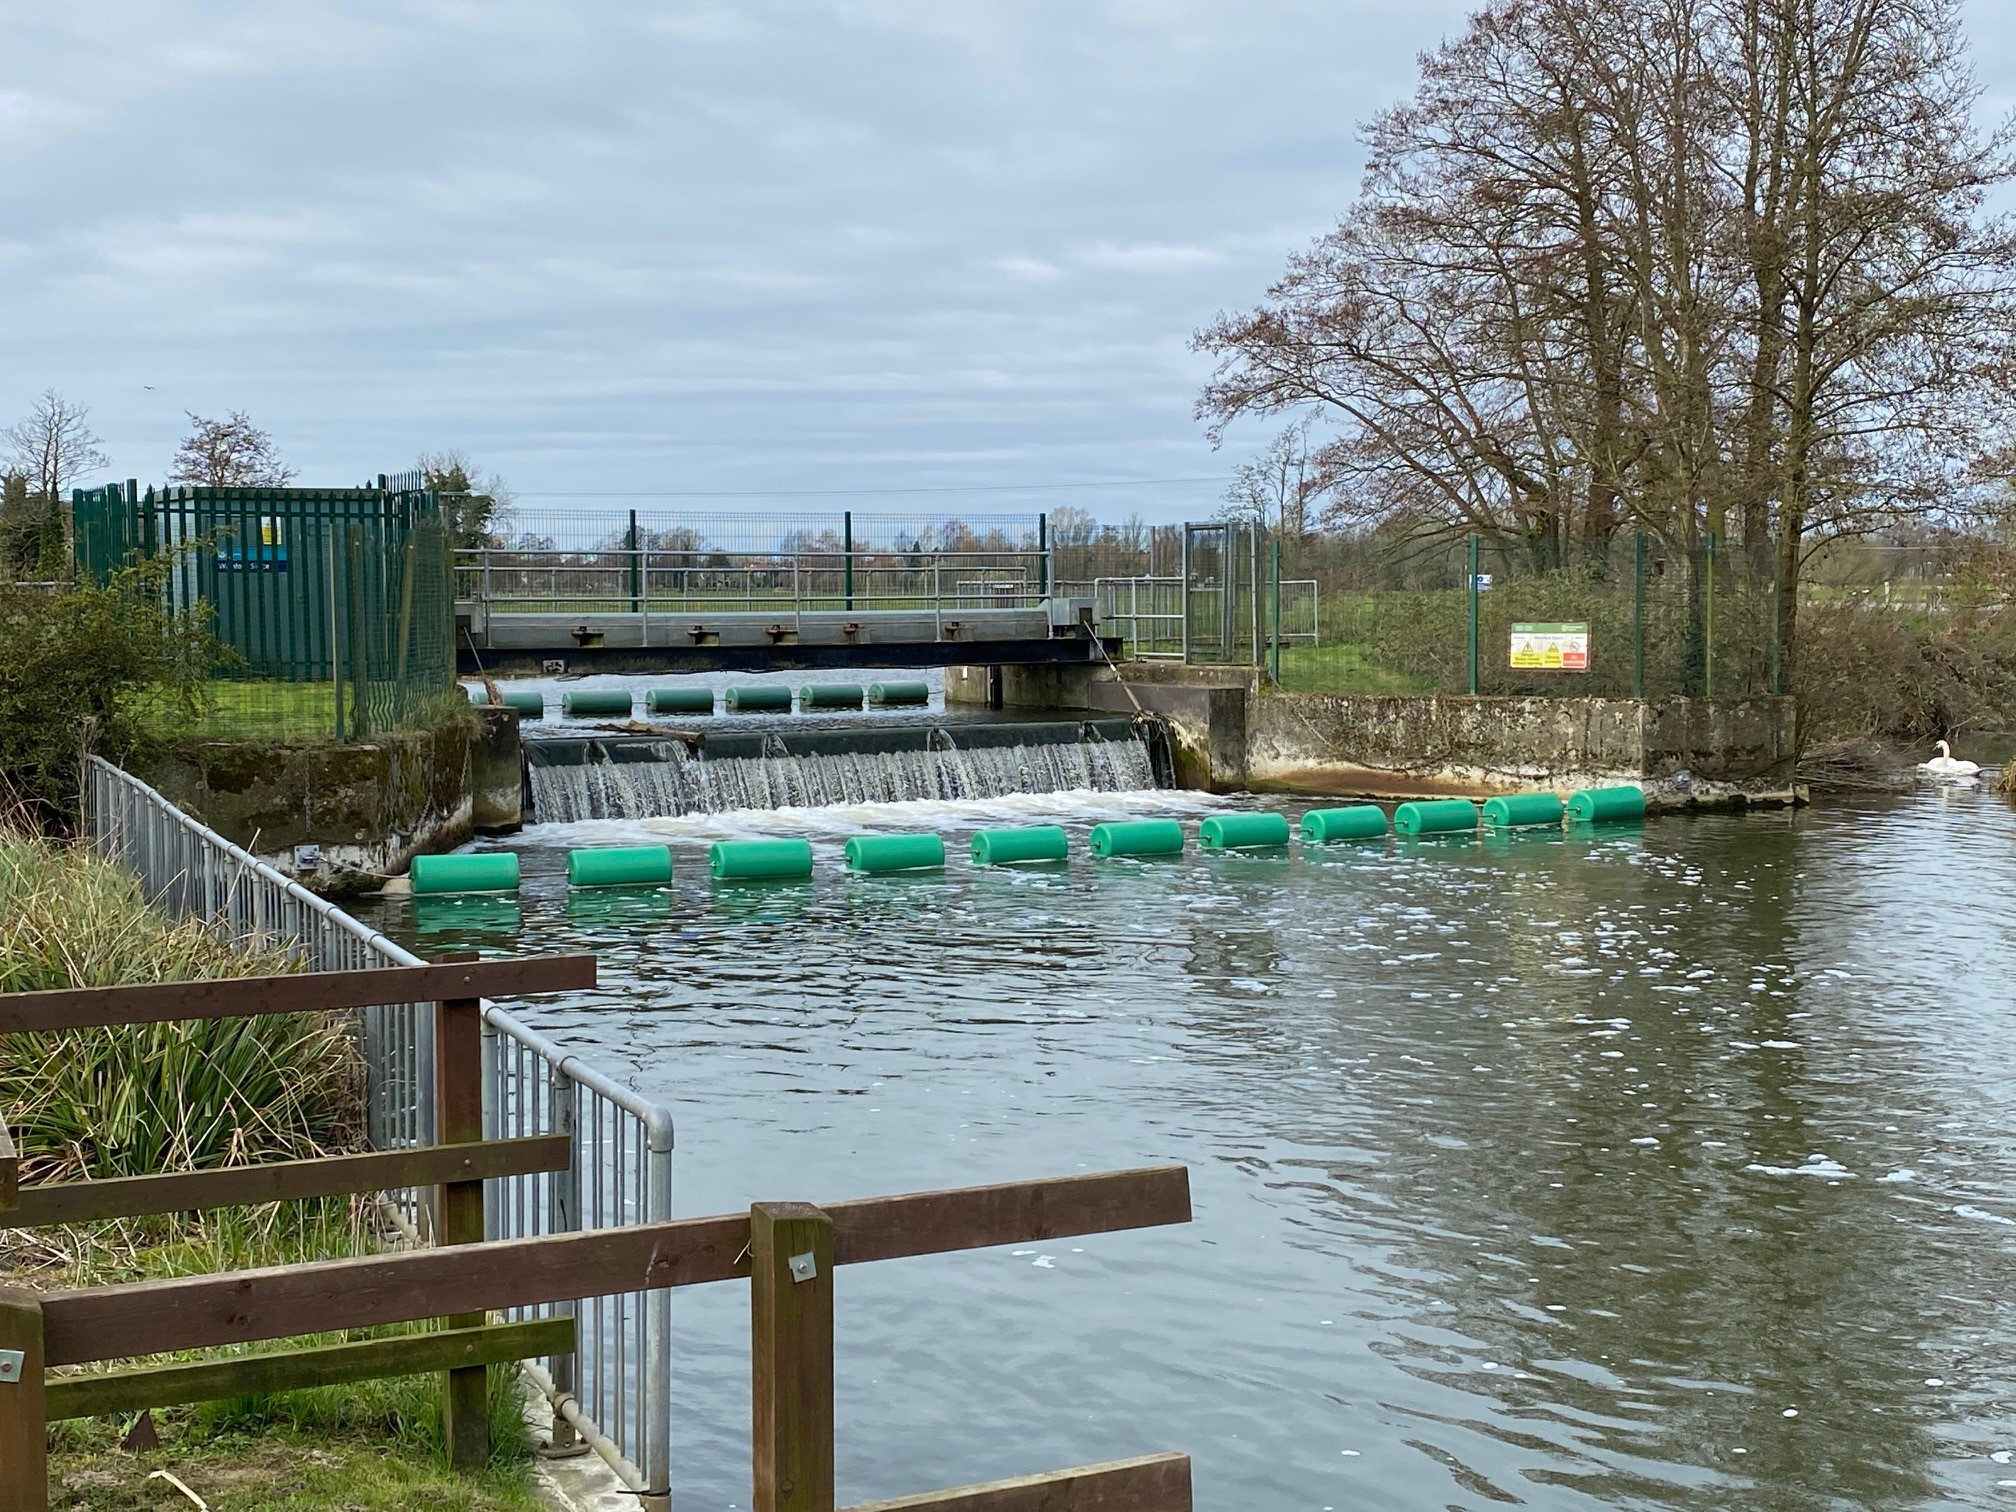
1816 1165
1967 1210
840 820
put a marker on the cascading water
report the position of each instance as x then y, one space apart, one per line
680 783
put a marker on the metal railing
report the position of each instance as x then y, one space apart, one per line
1147 612
615 1393
648 581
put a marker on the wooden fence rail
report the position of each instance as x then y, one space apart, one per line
782 1249
457 1165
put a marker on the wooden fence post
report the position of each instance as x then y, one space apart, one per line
24 1429
458 1115
791 1356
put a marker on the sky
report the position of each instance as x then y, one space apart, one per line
941 255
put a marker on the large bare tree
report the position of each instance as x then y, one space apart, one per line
1672 265
51 447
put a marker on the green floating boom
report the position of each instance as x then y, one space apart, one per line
895 693
830 696
478 694
680 701
1361 821
620 866
577 702
1243 831
1599 804
529 702
1138 837
1009 847
771 860
759 698
895 853
1435 816
481 872
1515 809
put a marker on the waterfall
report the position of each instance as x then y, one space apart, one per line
686 784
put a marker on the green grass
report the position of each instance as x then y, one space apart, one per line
279 1471
1346 668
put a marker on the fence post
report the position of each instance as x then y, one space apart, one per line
354 607
791 1356
1473 614
635 591
458 1119
1708 626
1043 556
24 1427
847 556
1274 586
564 1217
1638 615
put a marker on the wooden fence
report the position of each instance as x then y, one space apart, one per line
787 1252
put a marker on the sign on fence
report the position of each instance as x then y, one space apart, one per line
1556 647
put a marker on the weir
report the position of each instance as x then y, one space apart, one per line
650 776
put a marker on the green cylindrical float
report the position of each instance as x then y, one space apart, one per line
1039 842
761 859
1514 809
1598 804
894 853
576 703
1361 821
680 700
485 871
1243 831
1435 816
478 694
830 696
620 866
759 698
529 702
894 693
1138 837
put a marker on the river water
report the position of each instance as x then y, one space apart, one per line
1669 1167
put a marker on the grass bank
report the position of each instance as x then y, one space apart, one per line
151 1098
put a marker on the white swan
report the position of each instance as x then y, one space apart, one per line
1943 765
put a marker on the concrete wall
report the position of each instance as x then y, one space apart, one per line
340 818
1231 732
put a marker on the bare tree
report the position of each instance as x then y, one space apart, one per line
228 453
1677 265
1278 487
53 445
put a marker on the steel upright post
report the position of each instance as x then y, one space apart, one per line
1473 614
1638 615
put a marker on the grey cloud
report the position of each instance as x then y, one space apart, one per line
769 246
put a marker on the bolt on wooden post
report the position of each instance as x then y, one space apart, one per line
24 1428
458 1114
791 1356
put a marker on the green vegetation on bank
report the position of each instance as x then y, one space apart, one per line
110 669
150 1098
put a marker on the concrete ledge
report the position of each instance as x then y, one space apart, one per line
338 818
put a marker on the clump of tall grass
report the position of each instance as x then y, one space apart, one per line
146 1098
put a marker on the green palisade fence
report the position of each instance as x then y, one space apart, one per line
333 606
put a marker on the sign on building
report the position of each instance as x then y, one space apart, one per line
1553 647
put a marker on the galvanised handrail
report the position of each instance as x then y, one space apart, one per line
620 579
615 1391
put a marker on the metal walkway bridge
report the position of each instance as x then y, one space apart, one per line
653 610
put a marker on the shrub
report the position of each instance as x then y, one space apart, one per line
106 668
